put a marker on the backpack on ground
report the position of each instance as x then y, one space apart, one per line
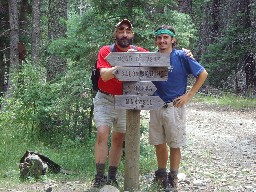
34 164
96 73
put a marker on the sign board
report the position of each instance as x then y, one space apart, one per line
141 73
138 102
138 88
142 59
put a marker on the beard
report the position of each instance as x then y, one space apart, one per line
123 42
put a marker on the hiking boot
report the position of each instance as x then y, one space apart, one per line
112 181
173 181
161 180
99 181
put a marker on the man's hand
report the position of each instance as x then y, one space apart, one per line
131 50
188 53
182 100
107 73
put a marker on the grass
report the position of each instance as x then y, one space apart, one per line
78 155
228 100
75 156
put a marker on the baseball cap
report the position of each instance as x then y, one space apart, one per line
124 21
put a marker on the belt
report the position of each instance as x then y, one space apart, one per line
106 93
166 104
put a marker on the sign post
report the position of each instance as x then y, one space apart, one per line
136 71
132 150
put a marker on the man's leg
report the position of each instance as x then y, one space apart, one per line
101 145
115 154
175 157
176 137
162 158
161 155
101 153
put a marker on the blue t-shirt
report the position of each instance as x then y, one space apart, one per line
180 67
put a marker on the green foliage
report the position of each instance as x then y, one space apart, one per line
52 119
225 57
87 34
198 8
183 25
49 111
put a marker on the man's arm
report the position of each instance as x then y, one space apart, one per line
188 53
180 101
198 84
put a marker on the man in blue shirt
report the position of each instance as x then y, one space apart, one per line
168 124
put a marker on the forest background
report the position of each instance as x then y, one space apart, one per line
48 48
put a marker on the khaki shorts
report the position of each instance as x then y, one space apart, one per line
106 114
168 125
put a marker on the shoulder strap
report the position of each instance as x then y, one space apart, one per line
112 47
134 47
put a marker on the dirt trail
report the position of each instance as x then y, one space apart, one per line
222 149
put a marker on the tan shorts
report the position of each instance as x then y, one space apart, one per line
106 114
168 125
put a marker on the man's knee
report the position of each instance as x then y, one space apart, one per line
103 134
117 139
161 147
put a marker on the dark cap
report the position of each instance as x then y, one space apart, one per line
124 21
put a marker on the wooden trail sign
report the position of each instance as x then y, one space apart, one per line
138 88
135 69
138 102
146 59
141 73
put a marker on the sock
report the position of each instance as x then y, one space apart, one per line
100 168
112 170
173 174
161 173
161 170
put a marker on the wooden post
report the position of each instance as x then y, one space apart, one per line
132 150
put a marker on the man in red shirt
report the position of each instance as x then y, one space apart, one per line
105 115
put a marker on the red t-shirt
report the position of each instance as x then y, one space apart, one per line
112 86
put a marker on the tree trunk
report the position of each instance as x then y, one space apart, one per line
57 28
35 52
185 6
14 39
24 9
4 45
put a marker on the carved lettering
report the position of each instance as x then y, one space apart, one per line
137 101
